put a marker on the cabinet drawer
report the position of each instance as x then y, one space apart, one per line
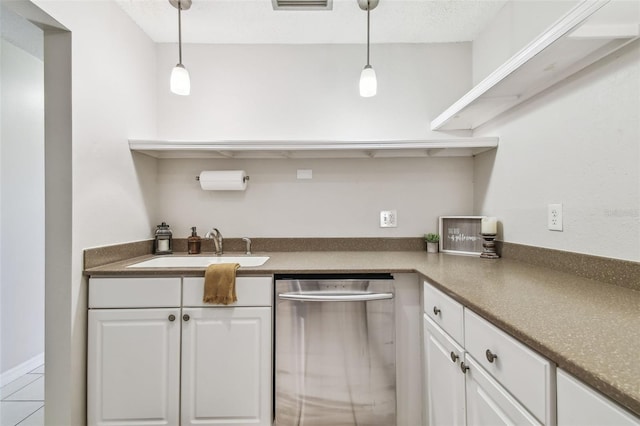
134 292
526 375
251 291
444 311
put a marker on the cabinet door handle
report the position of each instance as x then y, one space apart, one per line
454 357
436 311
172 317
463 367
490 356
186 317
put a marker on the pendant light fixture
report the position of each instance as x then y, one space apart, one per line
368 81
180 83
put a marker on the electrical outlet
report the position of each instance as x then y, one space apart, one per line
554 217
388 219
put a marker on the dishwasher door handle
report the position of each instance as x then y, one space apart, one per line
334 297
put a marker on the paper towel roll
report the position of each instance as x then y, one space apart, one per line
224 180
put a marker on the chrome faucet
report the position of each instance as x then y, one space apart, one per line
217 240
248 243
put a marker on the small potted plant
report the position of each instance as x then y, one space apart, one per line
432 242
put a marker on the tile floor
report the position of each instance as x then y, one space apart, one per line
22 401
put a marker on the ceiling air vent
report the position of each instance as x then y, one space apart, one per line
302 4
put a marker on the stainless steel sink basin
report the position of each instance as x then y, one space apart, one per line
198 261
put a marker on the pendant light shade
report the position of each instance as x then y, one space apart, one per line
180 83
368 81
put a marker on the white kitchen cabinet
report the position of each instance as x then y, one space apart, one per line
133 367
579 405
133 355
459 387
488 403
528 376
227 355
153 362
226 366
444 381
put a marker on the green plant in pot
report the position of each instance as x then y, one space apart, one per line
432 242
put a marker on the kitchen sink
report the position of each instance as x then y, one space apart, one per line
198 261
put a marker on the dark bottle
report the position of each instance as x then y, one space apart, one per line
194 242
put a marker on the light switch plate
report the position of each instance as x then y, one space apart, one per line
304 174
388 219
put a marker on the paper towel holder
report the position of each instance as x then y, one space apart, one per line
244 178
223 180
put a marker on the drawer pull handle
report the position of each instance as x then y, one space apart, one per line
463 367
454 357
490 356
186 317
172 317
436 311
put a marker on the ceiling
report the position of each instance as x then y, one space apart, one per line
256 22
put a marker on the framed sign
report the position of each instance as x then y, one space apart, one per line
460 234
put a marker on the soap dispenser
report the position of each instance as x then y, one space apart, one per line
194 242
163 243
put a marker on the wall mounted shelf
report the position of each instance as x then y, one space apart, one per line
578 39
451 147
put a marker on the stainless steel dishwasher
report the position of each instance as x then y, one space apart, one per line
335 350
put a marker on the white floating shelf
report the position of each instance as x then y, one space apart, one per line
575 41
451 147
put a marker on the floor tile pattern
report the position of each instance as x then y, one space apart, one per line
22 401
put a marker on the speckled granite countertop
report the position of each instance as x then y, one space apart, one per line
589 328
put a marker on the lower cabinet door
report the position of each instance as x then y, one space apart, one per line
444 380
579 405
133 367
226 366
488 403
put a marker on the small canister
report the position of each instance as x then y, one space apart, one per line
163 243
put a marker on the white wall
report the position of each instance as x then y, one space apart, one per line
517 23
343 199
113 69
311 92
22 210
576 144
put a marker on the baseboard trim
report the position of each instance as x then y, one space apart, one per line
21 369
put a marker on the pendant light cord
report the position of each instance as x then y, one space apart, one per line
180 32
368 11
